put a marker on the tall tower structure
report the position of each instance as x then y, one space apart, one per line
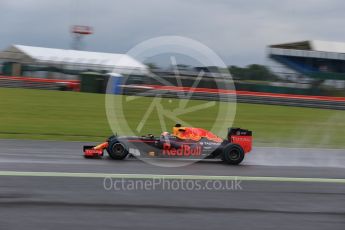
78 32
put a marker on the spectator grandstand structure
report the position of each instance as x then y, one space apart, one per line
309 61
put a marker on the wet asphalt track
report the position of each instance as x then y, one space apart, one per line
73 202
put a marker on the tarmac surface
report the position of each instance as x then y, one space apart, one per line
49 185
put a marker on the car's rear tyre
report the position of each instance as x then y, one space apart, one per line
232 154
117 150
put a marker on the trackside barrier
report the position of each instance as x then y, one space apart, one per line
324 102
241 96
39 83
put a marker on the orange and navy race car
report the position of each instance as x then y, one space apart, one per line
184 142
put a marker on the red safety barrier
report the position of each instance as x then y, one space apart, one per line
71 84
75 85
244 93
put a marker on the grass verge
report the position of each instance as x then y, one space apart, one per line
55 115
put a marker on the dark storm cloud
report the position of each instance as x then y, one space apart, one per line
237 30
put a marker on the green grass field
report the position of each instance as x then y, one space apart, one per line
55 115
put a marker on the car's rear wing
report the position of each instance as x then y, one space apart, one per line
242 137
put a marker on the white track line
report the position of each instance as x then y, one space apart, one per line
170 177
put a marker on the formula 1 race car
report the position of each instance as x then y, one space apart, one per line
184 142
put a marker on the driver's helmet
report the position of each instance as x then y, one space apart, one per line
165 134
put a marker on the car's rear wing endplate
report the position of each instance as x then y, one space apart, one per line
242 137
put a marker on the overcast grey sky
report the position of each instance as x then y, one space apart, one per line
238 31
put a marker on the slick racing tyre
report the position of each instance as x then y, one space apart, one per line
232 154
117 150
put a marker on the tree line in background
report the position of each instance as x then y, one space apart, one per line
251 72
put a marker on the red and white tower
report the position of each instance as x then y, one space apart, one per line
79 32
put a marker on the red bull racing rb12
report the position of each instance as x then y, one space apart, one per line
184 142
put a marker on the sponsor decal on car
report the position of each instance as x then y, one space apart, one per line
210 143
183 150
134 152
93 151
241 139
244 141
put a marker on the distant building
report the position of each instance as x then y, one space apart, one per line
19 60
307 61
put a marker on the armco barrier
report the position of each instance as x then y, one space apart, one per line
39 83
198 93
241 96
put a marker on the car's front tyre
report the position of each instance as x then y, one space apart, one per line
117 150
